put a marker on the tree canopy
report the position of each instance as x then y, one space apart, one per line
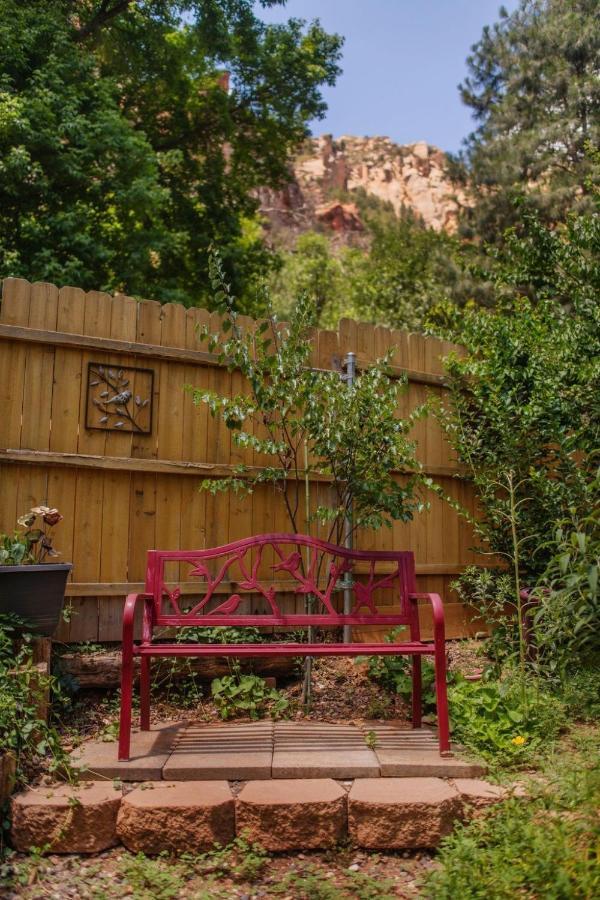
133 133
534 88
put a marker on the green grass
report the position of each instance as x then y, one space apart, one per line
544 845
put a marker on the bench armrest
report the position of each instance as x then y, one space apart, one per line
439 631
129 615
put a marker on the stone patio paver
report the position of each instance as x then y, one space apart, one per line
234 752
292 814
242 751
149 752
407 752
65 818
170 816
401 813
321 750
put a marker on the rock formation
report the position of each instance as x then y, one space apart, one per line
408 176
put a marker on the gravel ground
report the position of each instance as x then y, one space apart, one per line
238 873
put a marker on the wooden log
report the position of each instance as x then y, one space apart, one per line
8 769
103 670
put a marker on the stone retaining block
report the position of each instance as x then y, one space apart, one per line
401 813
291 814
66 819
177 816
477 794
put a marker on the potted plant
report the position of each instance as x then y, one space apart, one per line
31 587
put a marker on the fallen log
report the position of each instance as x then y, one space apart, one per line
103 670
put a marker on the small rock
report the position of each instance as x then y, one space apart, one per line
354 867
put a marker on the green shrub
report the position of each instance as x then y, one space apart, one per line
246 695
545 845
567 620
491 593
394 673
219 634
22 688
504 721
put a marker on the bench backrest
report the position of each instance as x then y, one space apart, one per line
256 571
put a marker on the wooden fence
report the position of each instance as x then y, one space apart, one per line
124 491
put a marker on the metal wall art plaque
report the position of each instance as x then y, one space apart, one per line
119 398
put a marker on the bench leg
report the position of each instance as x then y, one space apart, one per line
441 696
145 693
417 703
126 699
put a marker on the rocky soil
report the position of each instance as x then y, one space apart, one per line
342 874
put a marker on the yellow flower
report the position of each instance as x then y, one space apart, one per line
519 740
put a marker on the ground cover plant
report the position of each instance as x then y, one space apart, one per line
24 731
543 844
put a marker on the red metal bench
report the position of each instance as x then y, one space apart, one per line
239 580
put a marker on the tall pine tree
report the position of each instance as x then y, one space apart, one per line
534 88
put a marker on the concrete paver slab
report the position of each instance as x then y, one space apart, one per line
321 750
407 752
230 751
149 752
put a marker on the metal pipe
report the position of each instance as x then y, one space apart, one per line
350 366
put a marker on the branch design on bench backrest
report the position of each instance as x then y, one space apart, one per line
310 567
364 592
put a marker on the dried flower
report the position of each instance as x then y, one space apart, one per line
27 520
52 517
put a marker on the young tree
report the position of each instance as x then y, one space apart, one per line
126 152
534 88
311 424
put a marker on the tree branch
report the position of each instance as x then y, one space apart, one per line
101 18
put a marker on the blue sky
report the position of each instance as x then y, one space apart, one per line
402 62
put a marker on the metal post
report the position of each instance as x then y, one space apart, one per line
350 366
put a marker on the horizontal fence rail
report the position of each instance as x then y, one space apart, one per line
136 487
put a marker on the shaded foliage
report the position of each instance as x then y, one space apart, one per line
523 402
124 155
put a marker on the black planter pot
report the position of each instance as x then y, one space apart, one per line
35 593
